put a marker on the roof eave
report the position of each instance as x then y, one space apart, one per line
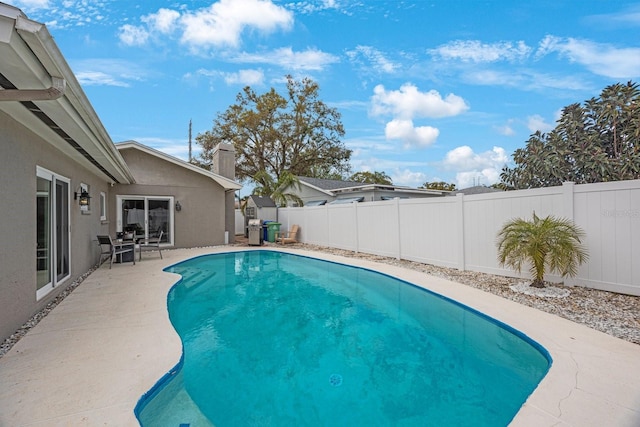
30 60
226 183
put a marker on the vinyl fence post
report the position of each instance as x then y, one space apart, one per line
568 188
399 253
461 236
355 215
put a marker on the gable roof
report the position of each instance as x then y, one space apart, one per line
40 91
262 201
226 183
327 185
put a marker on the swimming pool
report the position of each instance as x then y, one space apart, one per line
271 338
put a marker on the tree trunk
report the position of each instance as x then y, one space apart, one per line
537 283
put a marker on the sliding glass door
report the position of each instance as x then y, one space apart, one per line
146 216
52 231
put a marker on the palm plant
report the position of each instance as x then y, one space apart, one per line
267 186
553 243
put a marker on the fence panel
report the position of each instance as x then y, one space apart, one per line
610 215
377 226
430 231
485 214
461 231
342 228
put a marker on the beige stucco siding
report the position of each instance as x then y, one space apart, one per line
21 151
201 222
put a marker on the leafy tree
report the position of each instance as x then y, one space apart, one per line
553 243
272 133
371 178
595 142
440 185
277 189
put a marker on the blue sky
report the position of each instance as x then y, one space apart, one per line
441 90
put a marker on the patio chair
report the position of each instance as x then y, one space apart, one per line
150 244
113 249
288 236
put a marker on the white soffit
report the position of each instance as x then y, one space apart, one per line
30 59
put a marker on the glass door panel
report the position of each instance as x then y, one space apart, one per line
159 219
133 216
52 231
146 216
43 233
62 230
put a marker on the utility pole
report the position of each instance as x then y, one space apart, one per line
190 141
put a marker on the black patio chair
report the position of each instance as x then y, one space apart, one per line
113 249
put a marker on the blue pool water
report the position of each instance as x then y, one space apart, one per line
274 339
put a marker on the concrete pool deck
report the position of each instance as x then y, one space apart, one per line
91 359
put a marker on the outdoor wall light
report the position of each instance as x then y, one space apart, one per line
178 207
82 197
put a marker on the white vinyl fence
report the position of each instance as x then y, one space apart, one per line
460 232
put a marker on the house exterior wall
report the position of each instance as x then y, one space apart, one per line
21 152
202 220
308 194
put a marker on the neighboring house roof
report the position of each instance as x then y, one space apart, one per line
478 189
226 183
262 201
327 185
334 187
40 91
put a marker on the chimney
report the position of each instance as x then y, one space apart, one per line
224 161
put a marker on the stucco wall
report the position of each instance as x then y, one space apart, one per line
21 152
201 222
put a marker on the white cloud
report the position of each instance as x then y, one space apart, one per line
133 36
478 52
223 22
506 130
98 78
475 168
599 58
409 102
164 21
463 157
401 172
32 4
537 123
220 25
525 80
484 177
628 17
307 60
308 7
108 72
404 130
245 77
408 177
374 59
